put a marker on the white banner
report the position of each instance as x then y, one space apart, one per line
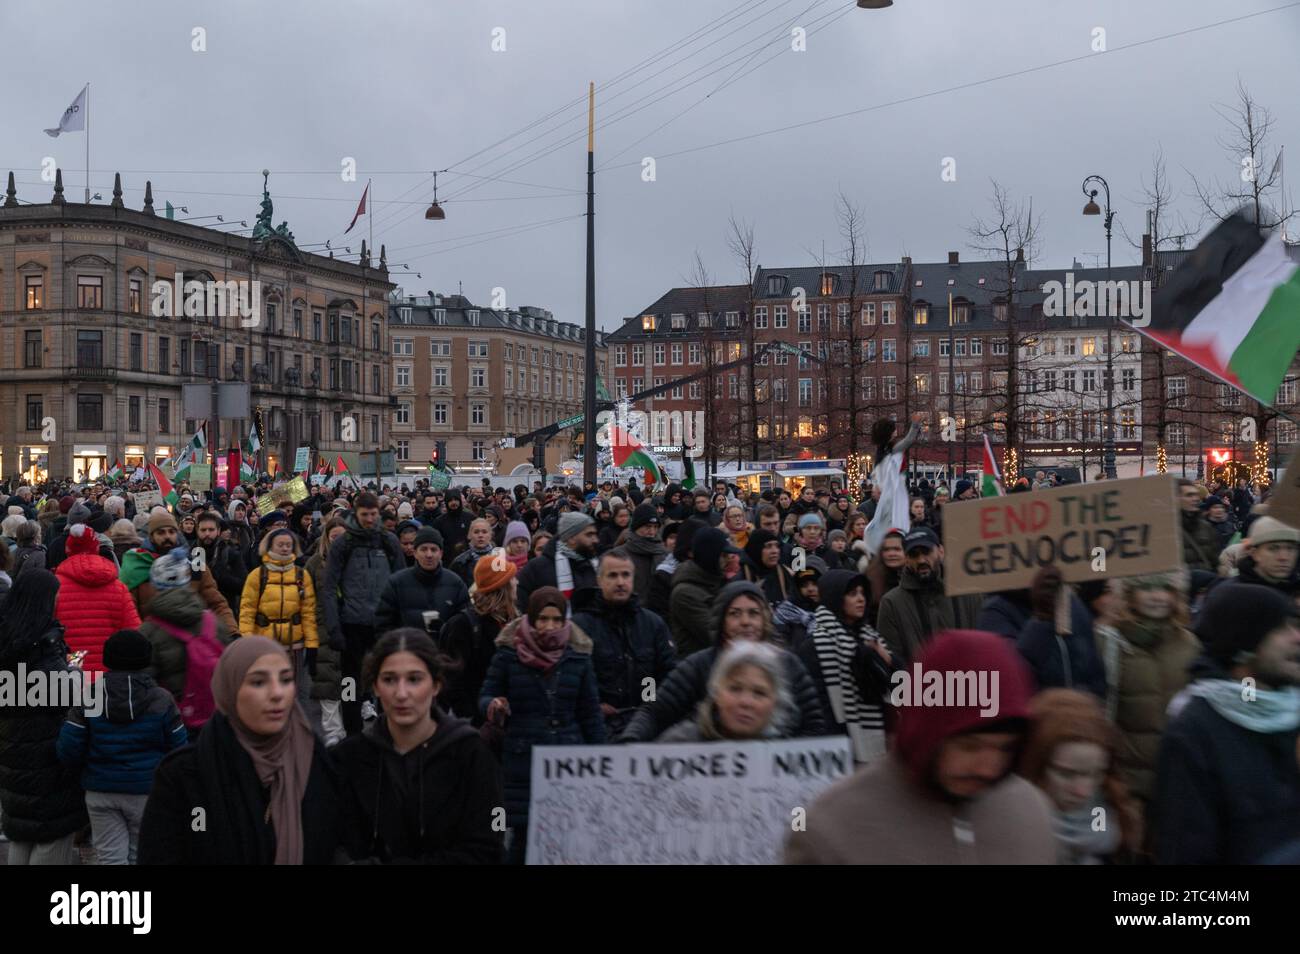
689 803
74 117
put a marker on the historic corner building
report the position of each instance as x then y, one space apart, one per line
90 373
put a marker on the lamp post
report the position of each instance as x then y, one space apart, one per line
1093 209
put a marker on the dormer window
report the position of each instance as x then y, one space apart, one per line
404 315
881 281
440 316
774 284
473 317
647 323
828 283
704 320
679 323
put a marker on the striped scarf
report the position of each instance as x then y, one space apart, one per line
563 572
864 721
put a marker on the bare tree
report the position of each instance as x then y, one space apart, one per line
1010 238
700 279
740 241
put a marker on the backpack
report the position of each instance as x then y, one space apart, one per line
261 618
202 652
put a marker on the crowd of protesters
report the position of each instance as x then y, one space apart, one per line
361 676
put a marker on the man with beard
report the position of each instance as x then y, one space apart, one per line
1201 544
632 649
357 569
1271 551
1227 782
946 793
481 544
223 560
644 548
454 524
428 516
163 537
918 608
567 563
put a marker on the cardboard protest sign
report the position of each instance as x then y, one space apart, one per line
146 500
696 803
439 480
1284 502
294 490
1089 531
301 459
200 477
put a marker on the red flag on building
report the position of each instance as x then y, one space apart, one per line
361 208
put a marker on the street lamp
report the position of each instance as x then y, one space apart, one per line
434 211
1093 209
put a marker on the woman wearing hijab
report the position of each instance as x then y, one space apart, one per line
420 787
541 686
268 794
849 663
41 799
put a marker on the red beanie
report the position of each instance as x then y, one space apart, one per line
66 502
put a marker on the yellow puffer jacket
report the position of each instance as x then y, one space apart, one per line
288 593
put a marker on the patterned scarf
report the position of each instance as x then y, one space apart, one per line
836 647
541 650
563 572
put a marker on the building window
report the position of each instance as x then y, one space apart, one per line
478 377
889 388
921 347
315 325
921 383
1089 347
889 350
921 314
478 450
1176 392
164 415
638 356
694 353
1069 347
402 375
1089 380
403 415
403 346
90 412
90 291
1128 378
440 347
135 296
679 322
133 413
704 320
33 349
886 312
35 411
961 314
137 352
1176 434
695 390
677 354
659 353
1286 433
943 347
999 347
805 322
760 317
1286 391
478 414
90 349
403 450
804 348
780 317
620 356
976 348
959 347
440 414
297 323
805 392
478 349
647 322
35 298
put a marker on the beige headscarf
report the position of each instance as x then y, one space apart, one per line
282 761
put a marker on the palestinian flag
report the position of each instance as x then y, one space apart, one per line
192 453
114 473
341 467
628 452
1233 308
688 470
164 485
991 483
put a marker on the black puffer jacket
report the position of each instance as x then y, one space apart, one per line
41 798
688 684
432 805
630 645
409 593
1058 661
470 639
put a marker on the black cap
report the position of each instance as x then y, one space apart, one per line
429 535
644 513
920 537
1236 617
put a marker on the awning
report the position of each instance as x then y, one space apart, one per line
740 473
813 472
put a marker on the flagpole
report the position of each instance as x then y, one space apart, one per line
87 144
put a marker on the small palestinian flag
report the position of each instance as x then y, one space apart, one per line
991 482
164 485
628 452
688 470
1233 308
341 467
114 473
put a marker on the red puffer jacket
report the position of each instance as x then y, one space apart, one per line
92 603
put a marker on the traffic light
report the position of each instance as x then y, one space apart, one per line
539 455
438 457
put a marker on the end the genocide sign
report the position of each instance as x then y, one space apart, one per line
1110 528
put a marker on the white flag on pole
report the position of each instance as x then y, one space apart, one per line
74 117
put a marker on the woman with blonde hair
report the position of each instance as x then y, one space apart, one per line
469 638
1071 754
735 524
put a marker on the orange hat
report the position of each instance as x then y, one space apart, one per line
489 577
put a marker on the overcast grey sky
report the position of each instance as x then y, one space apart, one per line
406 88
